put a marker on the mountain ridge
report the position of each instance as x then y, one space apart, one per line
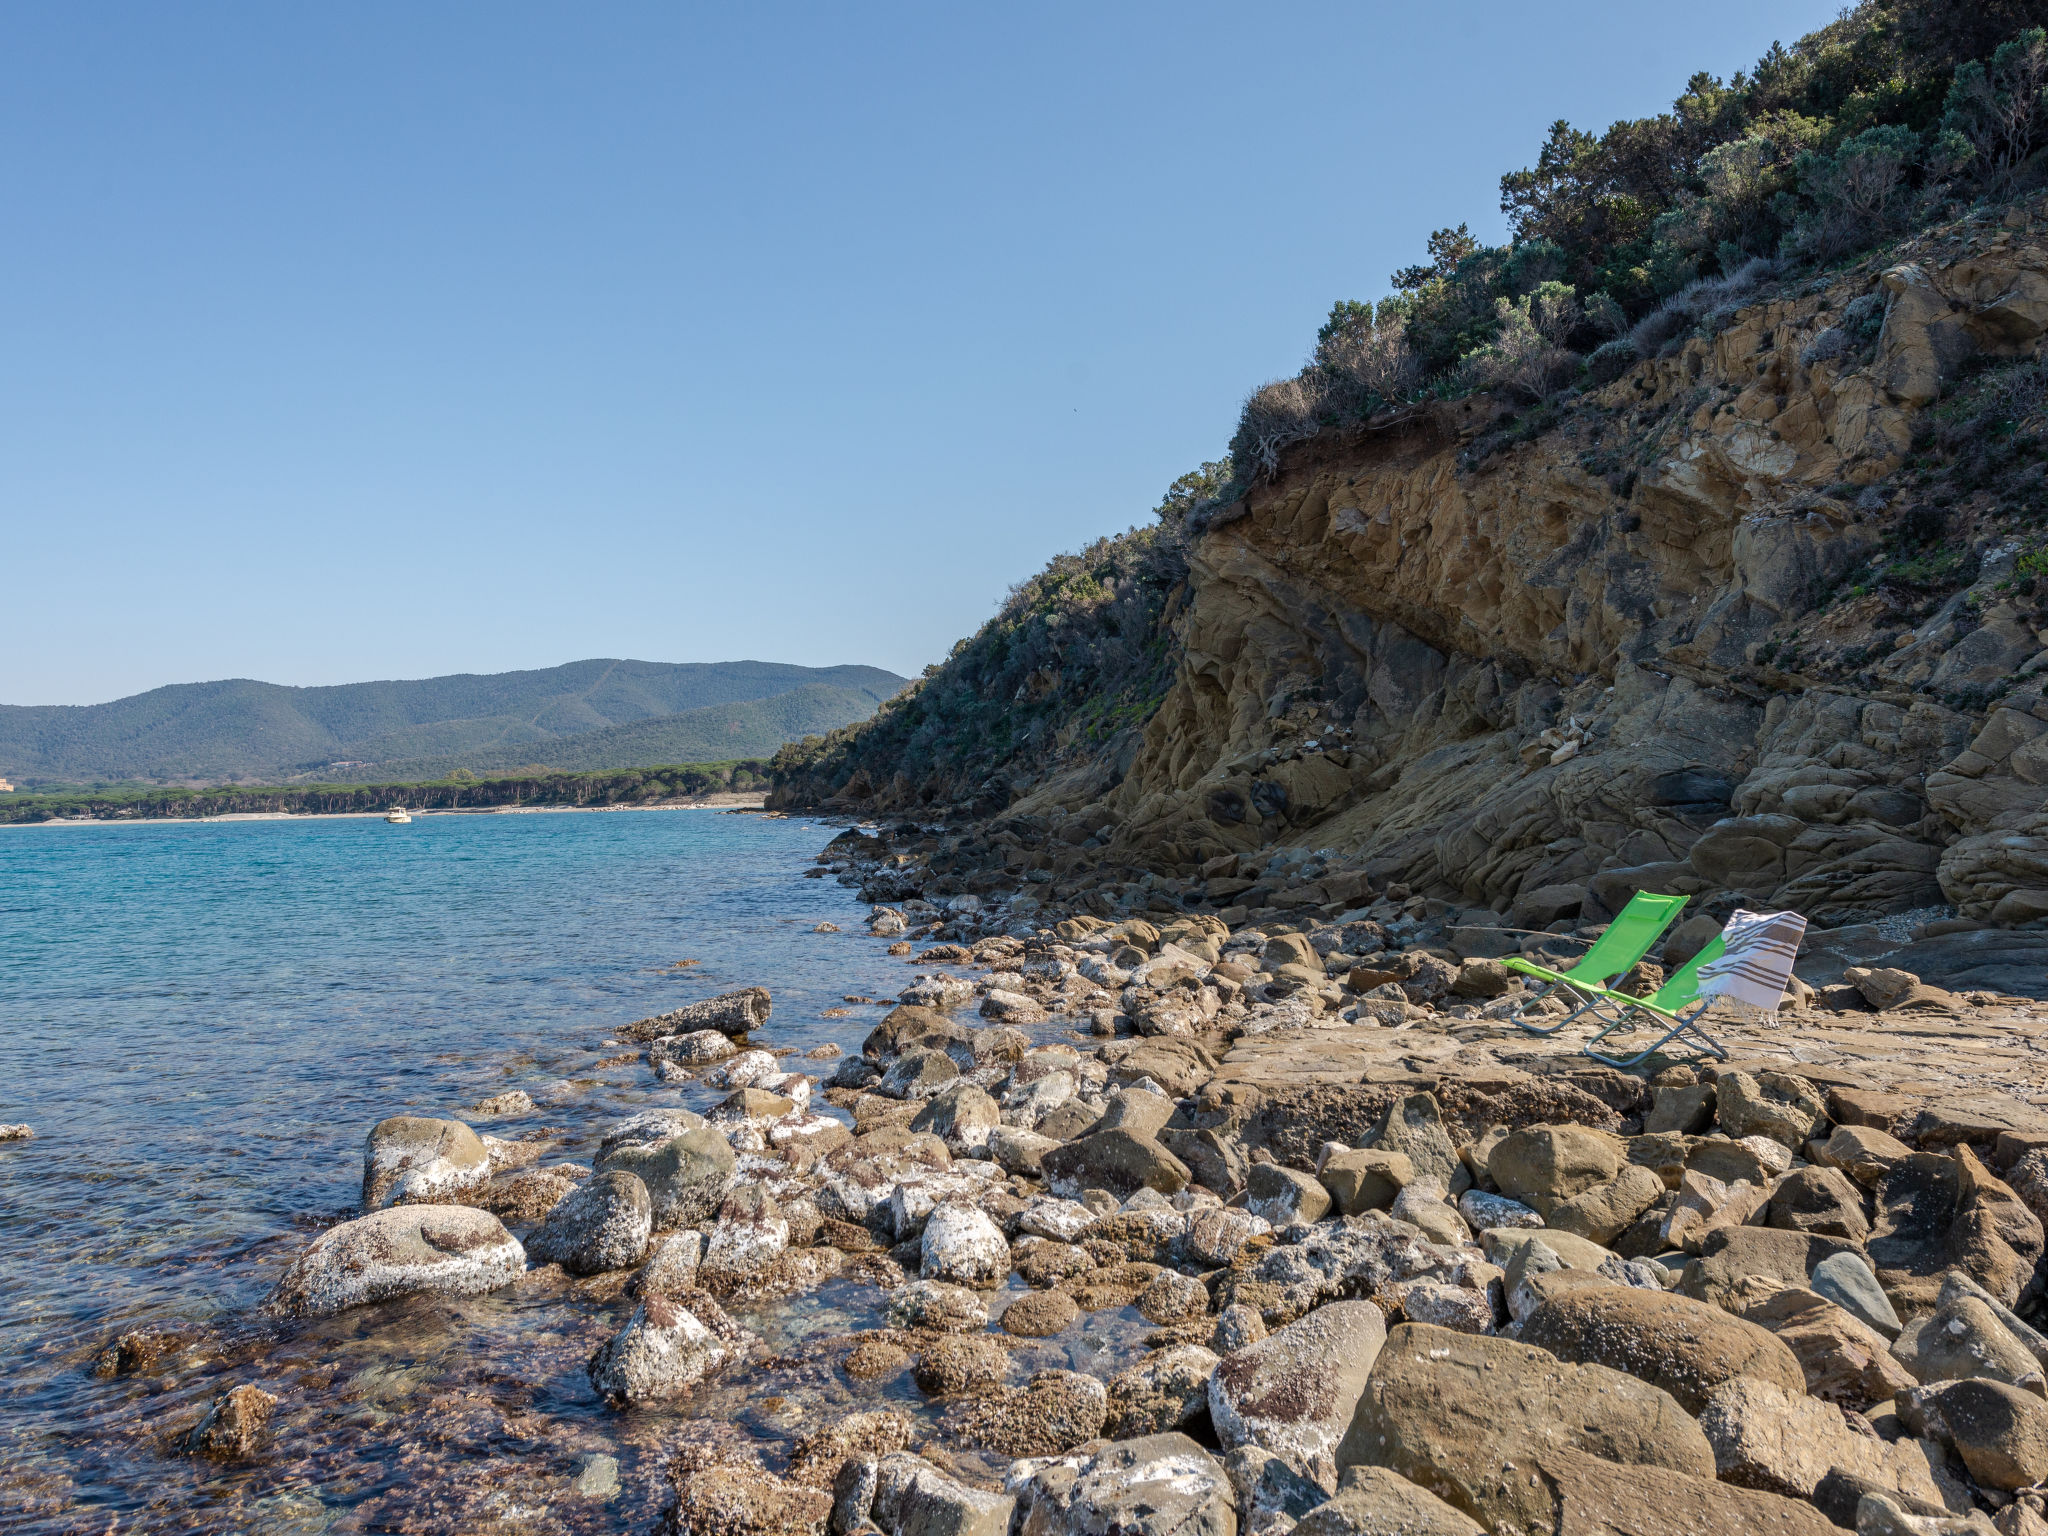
239 729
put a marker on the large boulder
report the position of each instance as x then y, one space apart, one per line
730 1013
443 1250
412 1160
1788 1109
1119 1161
962 1246
1602 1213
1819 1200
1375 1502
1733 1255
1961 1338
1294 1392
1935 1211
1157 1485
1543 1166
1845 1360
1467 1416
1414 1127
665 1348
686 1176
1576 1494
603 1225
960 1115
1686 1347
911 1497
1781 1441
2000 1431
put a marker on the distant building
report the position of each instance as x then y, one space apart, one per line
6 788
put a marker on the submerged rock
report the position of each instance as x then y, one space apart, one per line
665 1348
236 1425
448 1250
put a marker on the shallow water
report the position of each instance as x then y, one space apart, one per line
201 1022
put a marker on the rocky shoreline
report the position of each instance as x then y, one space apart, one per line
1171 1224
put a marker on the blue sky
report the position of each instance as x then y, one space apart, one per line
388 340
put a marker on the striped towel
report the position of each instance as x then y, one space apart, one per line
1757 964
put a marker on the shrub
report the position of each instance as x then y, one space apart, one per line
1997 109
1612 359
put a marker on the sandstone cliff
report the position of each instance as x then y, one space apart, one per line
1734 624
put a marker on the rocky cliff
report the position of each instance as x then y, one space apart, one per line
1754 621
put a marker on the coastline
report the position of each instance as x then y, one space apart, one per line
723 801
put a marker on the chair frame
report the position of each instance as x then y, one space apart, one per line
1682 1021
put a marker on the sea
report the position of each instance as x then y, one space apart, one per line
202 1020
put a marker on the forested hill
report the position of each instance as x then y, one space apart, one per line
245 730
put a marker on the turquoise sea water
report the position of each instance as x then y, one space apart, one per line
201 1022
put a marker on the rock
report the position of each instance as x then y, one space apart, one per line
1457 1307
730 1013
410 1160
933 1304
1870 1108
602 1226
1733 1254
749 1233
1166 1390
686 1176
1878 1514
1788 1109
407 1250
1376 1502
960 1362
1061 1220
1282 1196
1819 1200
1367 1180
1704 1205
1844 1360
1156 1485
671 1265
1686 1347
699 1048
1173 1298
1863 1152
1934 1211
1216 1234
1293 1393
1781 1441
1484 1211
1237 1326
1882 987
1976 1119
1454 1412
1011 1008
236 1425
2000 1431
1117 1160
1962 1338
597 1478
1017 1151
1590 1496
1414 1127
1686 1109
918 1074
665 1348
960 1115
17 1132
1482 979
1542 1166
1424 1206
912 1497
1271 1495
1052 1412
962 1246
1040 1315
723 1488
1732 1162
500 1105
1178 1066
1605 1211
1846 1280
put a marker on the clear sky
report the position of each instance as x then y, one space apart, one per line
382 340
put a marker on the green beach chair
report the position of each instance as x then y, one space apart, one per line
1677 1004
1749 964
1615 953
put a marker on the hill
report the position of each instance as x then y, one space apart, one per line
241 730
1695 541
753 728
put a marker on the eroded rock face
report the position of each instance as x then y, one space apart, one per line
448 1250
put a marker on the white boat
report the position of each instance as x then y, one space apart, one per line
398 815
